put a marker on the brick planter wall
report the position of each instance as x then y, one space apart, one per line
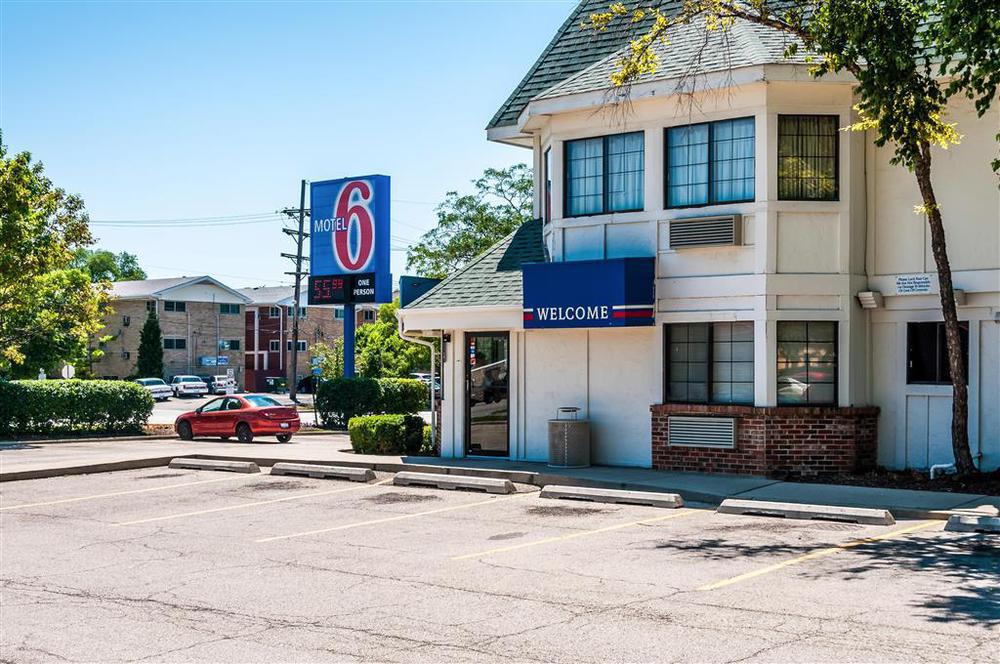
770 441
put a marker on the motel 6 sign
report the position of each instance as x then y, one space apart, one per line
349 247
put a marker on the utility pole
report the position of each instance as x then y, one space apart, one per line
300 237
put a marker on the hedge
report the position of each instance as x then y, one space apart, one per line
340 399
386 434
73 406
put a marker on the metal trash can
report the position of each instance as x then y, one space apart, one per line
569 439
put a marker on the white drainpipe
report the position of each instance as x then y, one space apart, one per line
423 342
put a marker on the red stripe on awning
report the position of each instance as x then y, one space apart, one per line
632 313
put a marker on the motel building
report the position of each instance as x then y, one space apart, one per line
719 278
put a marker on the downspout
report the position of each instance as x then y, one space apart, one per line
433 400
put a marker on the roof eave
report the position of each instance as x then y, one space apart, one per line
509 135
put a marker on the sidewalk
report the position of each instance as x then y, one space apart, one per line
36 460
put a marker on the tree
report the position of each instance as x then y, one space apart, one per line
908 58
380 351
48 311
103 265
470 224
149 364
330 358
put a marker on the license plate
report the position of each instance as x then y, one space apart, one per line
283 425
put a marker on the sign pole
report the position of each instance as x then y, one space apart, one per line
349 326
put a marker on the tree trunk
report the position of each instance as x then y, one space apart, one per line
960 396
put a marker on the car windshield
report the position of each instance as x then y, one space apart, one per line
261 401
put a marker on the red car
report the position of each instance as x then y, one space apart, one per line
242 416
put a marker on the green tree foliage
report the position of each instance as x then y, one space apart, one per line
908 57
102 265
330 358
380 351
470 224
48 310
149 364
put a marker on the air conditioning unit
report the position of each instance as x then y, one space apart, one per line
722 231
717 432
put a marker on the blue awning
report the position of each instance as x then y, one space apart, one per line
617 292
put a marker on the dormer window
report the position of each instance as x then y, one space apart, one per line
604 174
710 163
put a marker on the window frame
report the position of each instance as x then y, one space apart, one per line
709 360
274 346
711 164
302 345
604 175
941 351
175 306
547 185
836 158
836 366
173 341
274 312
226 309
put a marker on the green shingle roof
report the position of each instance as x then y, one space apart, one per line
571 50
492 279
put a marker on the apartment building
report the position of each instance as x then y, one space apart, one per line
201 320
719 278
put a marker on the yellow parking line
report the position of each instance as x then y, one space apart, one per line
395 518
299 496
820 553
121 493
585 533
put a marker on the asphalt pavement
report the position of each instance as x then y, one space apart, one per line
179 565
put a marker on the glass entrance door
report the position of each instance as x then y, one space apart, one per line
487 393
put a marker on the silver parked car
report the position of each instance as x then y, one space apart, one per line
156 387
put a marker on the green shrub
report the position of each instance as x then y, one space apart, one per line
386 434
73 406
403 395
340 399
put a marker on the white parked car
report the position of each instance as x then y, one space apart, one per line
156 387
186 386
219 384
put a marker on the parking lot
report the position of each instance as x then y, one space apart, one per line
182 565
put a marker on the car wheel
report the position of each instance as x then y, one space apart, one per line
184 431
243 433
284 437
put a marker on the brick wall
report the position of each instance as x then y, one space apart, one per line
770 441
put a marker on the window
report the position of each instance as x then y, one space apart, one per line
229 344
151 306
126 355
807 157
226 308
291 312
274 346
927 353
369 315
274 312
604 174
338 313
710 362
174 343
126 320
547 184
302 345
177 307
710 163
807 362
213 406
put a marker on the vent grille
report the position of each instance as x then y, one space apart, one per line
706 232
717 432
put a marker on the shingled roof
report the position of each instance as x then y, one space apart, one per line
571 50
492 279
691 49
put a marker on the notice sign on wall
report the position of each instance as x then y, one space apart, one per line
914 284
617 292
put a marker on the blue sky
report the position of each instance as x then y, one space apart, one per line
180 110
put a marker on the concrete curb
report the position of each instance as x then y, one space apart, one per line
517 476
214 464
614 496
114 439
871 517
323 472
967 523
451 482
